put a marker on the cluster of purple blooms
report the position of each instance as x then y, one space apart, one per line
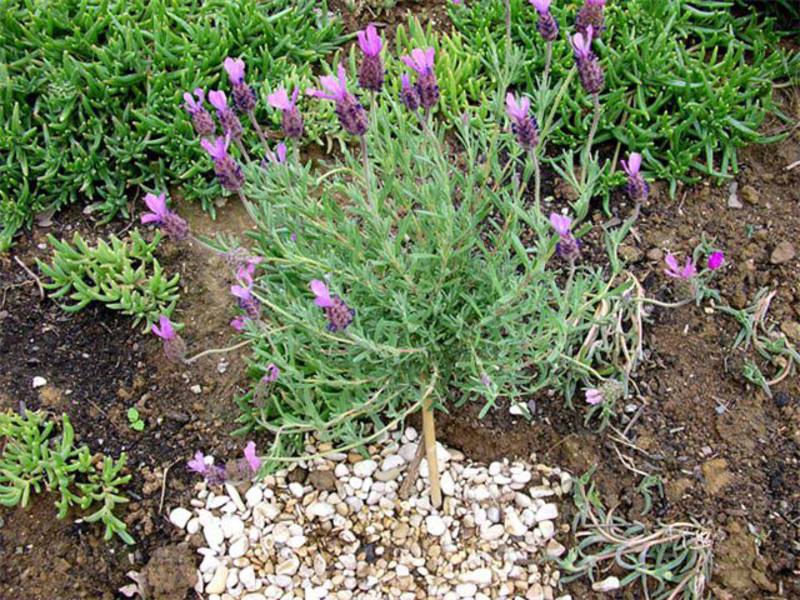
243 290
337 312
567 247
240 470
168 221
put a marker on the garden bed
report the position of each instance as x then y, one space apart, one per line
727 452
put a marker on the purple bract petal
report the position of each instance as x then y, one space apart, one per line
369 41
320 290
560 223
250 456
164 329
235 69
715 260
541 6
280 99
594 396
218 99
198 463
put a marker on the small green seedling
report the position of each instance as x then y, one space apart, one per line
135 420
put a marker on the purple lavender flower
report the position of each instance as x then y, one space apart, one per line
174 346
169 222
371 71
523 124
278 157
231 126
351 114
337 312
252 459
272 374
676 271
589 69
247 301
204 465
238 323
201 119
244 98
591 16
427 86
594 396
636 187
408 93
291 119
716 260
227 170
568 247
547 25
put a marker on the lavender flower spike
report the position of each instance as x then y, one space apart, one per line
547 25
291 119
272 374
371 71
227 170
169 222
244 98
523 124
591 16
201 119
247 301
174 346
279 156
408 94
636 187
568 247
231 126
589 69
337 312
427 86
352 115
676 271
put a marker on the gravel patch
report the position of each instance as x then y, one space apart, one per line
339 531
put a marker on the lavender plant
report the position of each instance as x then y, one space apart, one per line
415 269
34 459
122 274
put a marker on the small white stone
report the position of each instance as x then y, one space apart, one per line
39 381
554 549
609 584
434 525
196 389
232 526
288 566
256 597
547 512
365 468
521 477
495 532
323 510
541 491
180 517
547 529
410 434
513 525
296 489
254 496
209 564
193 526
447 484
217 583
407 452
535 592
392 461
248 578
480 577
296 541
238 547
213 534
466 590
215 502
281 533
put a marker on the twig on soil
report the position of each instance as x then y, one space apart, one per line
793 165
189 361
164 484
32 275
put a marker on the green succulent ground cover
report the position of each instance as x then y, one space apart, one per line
89 91
688 82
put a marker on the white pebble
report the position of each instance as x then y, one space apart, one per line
180 517
39 381
435 525
365 468
547 512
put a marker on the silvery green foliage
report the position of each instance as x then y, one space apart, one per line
122 274
34 460
452 275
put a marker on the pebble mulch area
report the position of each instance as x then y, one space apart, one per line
335 528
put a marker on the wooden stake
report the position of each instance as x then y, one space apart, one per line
429 431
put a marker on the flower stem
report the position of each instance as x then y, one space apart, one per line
588 151
536 183
259 131
189 361
548 58
367 174
243 150
508 26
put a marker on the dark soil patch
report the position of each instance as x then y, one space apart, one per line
96 367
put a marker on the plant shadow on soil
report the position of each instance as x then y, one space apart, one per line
735 471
